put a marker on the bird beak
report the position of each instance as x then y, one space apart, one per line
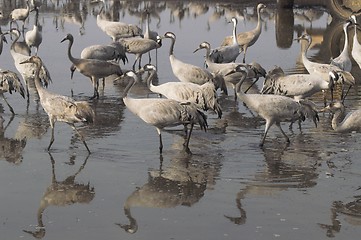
325 109
197 49
26 61
63 39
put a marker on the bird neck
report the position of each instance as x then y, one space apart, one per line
17 36
128 87
239 84
355 40
337 119
235 41
304 48
259 20
150 79
70 56
171 48
345 46
1 42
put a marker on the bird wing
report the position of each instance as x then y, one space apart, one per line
10 82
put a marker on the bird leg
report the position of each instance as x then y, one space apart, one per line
81 137
160 140
52 137
95 82
284 134
186 143
11 109
268 125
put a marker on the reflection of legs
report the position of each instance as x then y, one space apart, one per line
81 136
11 109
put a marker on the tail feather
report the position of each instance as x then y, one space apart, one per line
84 112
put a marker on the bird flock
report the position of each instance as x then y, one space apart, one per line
196 93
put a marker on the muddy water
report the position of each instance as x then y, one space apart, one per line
228 187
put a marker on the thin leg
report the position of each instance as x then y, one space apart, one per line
268 125
284 134
81 137
52 138
160 140
11 109
186 143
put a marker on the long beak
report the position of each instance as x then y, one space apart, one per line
197 49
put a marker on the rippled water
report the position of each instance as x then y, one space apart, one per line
229 188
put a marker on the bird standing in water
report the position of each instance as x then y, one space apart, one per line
61 108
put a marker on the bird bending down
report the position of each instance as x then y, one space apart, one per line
247 39
229 53
92 68
322 69
61 108
161 113
276 108
227 70
343 61
342 122
298 86
204 96
186 72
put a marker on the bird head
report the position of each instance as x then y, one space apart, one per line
32 59
333 107
203 45
68 37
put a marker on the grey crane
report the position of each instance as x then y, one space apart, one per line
20 14
27 71
227 70
149 34
34 37
138 46
186 72
247 39
92 68
161 112
356 46
228 53
298 86
205 95
9 81
117 30
61 108
342 122
276 108
322 69
343 60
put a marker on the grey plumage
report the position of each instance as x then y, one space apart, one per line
343 61
276 108
92 68
61 108
247 39
204 96
162 113
186 72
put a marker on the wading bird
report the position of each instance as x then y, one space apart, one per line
322 69
227 70
204 96
247 39
342 122
162 113
298 86
276 108
34 37
92 68
186 72
343 61
61 108
9 81
20 14
139 46
117 30
27 70
229 53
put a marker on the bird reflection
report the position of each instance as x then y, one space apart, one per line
62 193
11 149
182 183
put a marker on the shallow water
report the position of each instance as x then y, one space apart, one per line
228 187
